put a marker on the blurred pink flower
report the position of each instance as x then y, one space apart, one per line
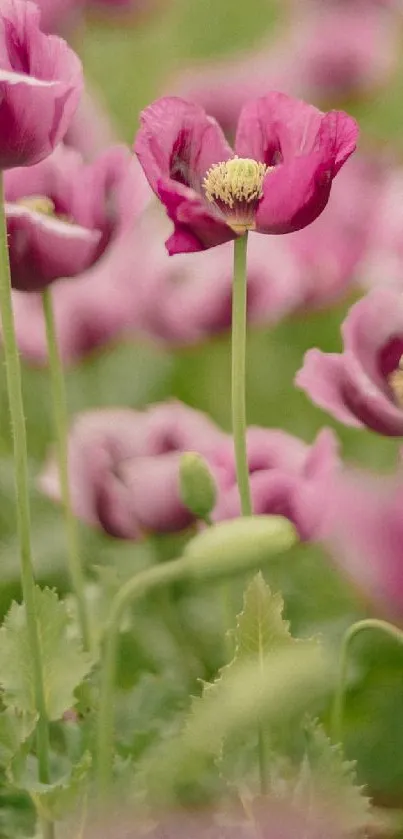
363 529
91 129
341 54
124 470
99 305
285 473
61 215
278 181
59 15
40 86
363 385
124 467
383 264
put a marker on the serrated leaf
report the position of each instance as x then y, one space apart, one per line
260 630
15 728
64 663
261 627
53 801
327 775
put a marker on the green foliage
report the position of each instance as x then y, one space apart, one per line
325 775
15 728
53 801
64 664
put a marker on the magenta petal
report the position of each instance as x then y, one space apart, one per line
339 132
322 377
40 86
277 127
43 249
294 194
153 487
196 229
178 140
371 324
364 532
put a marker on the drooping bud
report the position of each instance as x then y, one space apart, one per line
232 547
197 486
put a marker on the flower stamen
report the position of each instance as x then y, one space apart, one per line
38 204
235 187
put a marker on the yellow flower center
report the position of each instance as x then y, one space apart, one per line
235 188
38 204
395 381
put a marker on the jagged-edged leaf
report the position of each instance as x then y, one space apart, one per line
64 663
53 801
15 728
261 627
326 775
260 630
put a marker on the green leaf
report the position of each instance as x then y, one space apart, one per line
326 775
53 801
64 663
15 728
260 630
261 627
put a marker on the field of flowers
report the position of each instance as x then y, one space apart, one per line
201 624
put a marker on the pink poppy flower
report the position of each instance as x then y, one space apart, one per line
278 180
124 467
61 215
363 385
40 86
284 475
101 304
188 299
363 530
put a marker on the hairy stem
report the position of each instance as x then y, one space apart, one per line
16 407
239 312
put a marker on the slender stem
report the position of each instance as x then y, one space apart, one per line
239 301
134 589
355 629
61 429
239 321
14 387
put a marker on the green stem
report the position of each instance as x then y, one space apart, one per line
14 387
355 629
239 312
134 589
239 321
61 429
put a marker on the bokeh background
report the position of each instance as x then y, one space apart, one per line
128 66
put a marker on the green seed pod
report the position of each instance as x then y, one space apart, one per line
197 485
239 545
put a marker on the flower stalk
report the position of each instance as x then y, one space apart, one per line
239 314
61 430
351 633
16 407
134 589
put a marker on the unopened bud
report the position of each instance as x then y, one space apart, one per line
197 486
239 545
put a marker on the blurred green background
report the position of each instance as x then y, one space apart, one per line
130 67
